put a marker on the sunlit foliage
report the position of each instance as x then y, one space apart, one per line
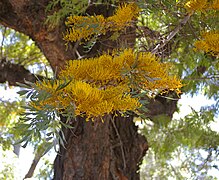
195 154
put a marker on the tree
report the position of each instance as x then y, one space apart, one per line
83 139
113 149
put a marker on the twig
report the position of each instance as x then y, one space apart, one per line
40 152
171 34
121 144
3 39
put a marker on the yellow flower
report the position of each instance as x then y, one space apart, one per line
209 42
98 102
94 70
124 15
84 27
114 70
102 85
201 5
215 5
196 5
119 98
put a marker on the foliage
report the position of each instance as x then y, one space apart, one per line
189 138
9 117
15 48
7 168
66 8
45 172
9 114
60 9
19 49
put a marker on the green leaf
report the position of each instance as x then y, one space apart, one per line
23 92
23 85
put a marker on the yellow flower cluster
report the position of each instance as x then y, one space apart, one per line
201 5
84 27
98 102
113 70
209 42
196 5
88 26
123 16
102 85
84 98
215 5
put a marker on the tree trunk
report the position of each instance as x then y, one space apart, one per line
101 150
95 150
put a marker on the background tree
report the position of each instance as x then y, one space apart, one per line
166 29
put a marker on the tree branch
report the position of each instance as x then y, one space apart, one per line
13 73
171 34
40 152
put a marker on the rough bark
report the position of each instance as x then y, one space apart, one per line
101 150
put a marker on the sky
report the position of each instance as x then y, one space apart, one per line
196 102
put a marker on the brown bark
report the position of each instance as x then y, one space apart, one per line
101 150
162 104
94 150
